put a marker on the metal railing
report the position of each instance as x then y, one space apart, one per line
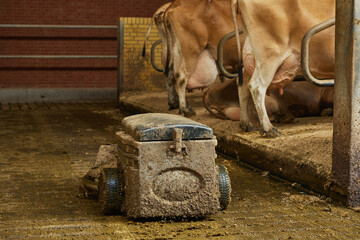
58 56
58 26
120 46
305 67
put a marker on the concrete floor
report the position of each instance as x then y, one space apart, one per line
46 148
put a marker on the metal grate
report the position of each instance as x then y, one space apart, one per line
5 106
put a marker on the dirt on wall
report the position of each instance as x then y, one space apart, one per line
139 75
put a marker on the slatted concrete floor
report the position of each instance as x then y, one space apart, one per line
46 147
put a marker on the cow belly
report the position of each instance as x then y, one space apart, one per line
205 72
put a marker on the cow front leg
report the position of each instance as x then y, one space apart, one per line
244 97
258 85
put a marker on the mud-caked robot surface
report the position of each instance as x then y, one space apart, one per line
165 168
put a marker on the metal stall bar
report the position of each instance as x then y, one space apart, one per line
64 56
346 140
57 57
220 50
57 26
153 63
305 54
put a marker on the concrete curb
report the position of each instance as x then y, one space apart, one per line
280 162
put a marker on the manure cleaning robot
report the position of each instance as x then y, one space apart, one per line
166 168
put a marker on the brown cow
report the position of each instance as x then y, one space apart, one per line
275 29
299 99
194 29
158 18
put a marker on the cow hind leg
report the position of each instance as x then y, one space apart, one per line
184 108
179 73
173 98
258 85
244 98
180 85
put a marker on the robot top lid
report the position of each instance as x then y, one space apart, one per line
160 126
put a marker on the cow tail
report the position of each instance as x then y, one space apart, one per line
234 8
147 37
169 39
167 63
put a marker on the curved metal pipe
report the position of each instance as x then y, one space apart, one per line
220 60
153 63
90 185
305 54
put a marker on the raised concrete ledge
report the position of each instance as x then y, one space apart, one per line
14 95
302 154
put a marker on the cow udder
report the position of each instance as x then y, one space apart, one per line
205 72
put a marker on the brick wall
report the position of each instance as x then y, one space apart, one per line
50 73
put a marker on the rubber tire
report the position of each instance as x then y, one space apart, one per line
111 192
224 187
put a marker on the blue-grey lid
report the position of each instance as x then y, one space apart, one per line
159 127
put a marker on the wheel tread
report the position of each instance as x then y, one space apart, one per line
224 187
110 191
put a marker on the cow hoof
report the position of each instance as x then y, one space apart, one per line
327 112
173 106
273 133
248 127
189 112
282 118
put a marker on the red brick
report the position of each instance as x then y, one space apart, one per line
64 73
